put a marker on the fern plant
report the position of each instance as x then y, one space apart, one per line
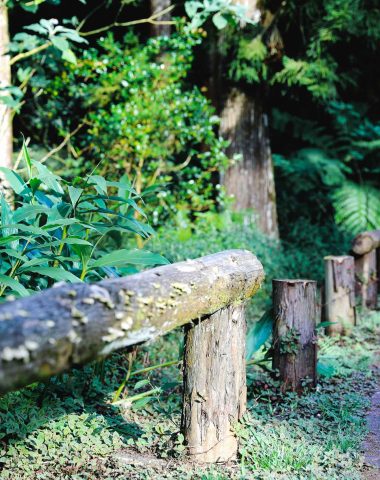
357 207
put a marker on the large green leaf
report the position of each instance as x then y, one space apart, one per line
15 181
123 257
55 273
14 285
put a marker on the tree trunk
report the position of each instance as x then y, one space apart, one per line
214 392
6 136
340 294
366 281
294 340
250 180
157 6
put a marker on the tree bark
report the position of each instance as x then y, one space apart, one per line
157 29
251 179
340 294
294 340
69 325
366 281
214 391
6 134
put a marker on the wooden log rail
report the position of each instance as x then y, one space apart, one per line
365 247
70 325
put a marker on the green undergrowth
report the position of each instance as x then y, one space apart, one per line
68 429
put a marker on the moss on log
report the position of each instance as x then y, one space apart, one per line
70 325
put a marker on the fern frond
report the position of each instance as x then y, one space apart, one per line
357 207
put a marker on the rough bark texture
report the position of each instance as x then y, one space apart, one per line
6 135
160 29
294 340
251 179
340 294
215 390
366 242
366 281
73 324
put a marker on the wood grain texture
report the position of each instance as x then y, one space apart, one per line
69 325
340 294
214 393
294 339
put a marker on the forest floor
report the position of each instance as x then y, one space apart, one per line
68 429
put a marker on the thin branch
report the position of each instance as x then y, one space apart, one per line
23 55
62 144
152 19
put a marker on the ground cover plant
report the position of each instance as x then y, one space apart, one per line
68 428
123 127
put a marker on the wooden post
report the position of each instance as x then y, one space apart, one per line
294 341
366 279
214 393
365 246
340 294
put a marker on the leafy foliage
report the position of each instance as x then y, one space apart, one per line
136 108
357 207
59 231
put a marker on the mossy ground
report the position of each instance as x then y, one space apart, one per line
67 429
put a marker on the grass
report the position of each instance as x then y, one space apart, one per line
67 429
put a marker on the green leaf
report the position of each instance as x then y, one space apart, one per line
61 43
69 56
27 158
219 21
75 194
51 180
259 333
55 273
99 181
14 285
140 384
120 258
15 181
28 211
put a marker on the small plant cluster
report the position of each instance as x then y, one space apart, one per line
61 231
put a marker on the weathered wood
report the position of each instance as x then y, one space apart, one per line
340 294
294 340
214 392
250 180
366 242
366 281
73 324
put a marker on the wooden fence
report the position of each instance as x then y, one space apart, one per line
70 325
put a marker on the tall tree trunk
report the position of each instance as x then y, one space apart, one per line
158 6
250 180
245 124
6 135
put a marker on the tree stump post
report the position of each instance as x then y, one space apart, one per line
294 340
366 247
340 294
366 279
214 393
